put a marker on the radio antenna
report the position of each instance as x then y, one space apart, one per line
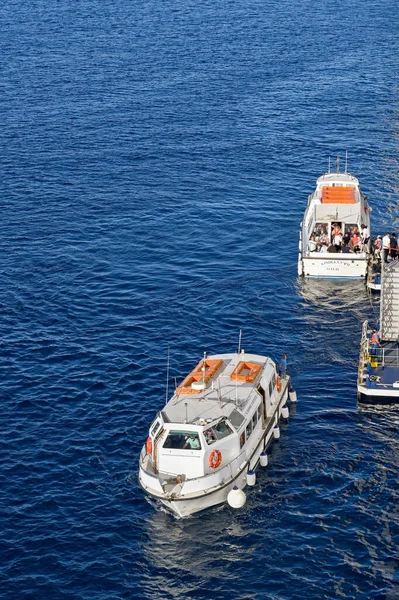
239 342
167 376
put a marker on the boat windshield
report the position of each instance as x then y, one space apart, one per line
182 440
217 432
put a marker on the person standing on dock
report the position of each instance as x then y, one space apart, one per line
365 237
394 247
386 243
375 342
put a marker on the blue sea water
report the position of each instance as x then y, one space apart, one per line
156 159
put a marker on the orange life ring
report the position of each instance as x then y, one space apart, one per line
215 458
148 445
278 382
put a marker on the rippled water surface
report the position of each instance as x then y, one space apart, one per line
156 159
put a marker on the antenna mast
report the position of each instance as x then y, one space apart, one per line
329 164
167 376
239 342
338 159
346 162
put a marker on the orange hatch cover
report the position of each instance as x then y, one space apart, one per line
246 371
338 195
197 374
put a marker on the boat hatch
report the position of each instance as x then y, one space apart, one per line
204 371
182 440
246 371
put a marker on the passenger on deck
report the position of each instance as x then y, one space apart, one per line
312 244
282 367
378 246
346 249
337 241
323 239
347 238
324 247
332 248
365 236
375 341
386 242
355 239
336 230
394 246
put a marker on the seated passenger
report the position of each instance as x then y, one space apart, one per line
192 442
312 244
210 436
346 249
324 247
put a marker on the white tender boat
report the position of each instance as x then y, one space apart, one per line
337 205
211 434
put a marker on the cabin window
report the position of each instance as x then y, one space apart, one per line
248 430
217 432
236 418
259 412
155 428
182 440
270 388
254 420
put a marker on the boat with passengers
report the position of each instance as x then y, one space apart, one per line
335 234
209 437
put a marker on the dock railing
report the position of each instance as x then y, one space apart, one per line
363 353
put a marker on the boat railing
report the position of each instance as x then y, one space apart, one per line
381 356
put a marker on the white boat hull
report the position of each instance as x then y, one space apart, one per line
338 266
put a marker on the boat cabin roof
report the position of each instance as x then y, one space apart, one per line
223 393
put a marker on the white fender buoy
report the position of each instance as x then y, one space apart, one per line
292 395
276 433
285 413
263 460
251 478
236 498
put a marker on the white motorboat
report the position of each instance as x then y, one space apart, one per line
337 207
210 436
